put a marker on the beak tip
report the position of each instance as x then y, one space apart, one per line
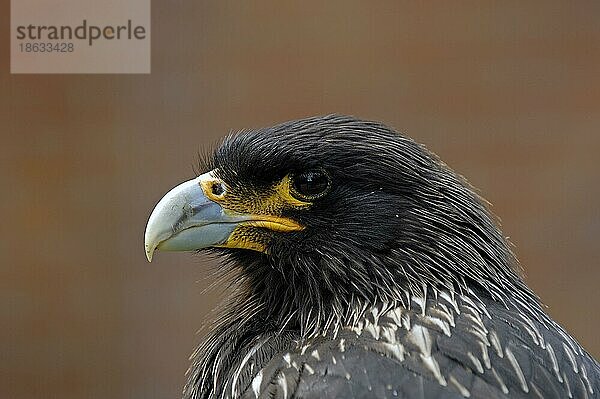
149 252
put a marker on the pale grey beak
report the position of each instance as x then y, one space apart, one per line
186 220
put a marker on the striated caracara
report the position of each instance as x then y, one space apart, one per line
364 268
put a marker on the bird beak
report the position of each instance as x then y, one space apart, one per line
192 217
185 220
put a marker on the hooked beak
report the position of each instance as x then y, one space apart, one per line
186 219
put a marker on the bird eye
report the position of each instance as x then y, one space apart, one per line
310 184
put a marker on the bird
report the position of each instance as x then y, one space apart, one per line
361 266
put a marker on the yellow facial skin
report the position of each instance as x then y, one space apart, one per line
265 209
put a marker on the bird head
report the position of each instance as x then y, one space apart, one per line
335 207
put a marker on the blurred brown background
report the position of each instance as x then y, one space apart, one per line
508 95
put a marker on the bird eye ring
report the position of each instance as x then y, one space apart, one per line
310 184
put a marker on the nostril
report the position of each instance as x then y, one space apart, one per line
217 188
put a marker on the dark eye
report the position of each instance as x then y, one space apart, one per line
310 184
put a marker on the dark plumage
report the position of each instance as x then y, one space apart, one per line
400 283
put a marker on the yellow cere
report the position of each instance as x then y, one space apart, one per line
265 209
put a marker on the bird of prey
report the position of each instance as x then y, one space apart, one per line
363 267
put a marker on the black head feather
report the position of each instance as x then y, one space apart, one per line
395 221
394 217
